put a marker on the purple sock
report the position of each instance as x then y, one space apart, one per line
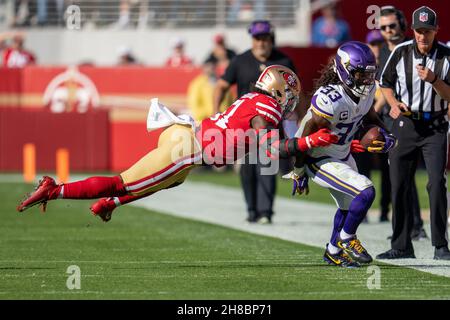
358 209
339 219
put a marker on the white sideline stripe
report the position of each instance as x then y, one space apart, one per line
265 106
295 220
165 173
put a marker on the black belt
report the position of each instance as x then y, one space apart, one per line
425 116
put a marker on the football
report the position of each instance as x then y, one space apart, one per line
369 134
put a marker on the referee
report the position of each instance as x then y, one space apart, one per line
393 26
415 82
244 70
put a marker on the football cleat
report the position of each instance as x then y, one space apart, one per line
341 259
40 195
354 249
103 208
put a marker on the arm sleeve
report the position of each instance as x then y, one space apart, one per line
275 146
389 76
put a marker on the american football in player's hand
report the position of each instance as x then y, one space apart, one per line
370 134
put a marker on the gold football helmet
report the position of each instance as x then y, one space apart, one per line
282 84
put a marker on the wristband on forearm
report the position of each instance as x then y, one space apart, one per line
434 80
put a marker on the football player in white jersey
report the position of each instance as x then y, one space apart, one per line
343 103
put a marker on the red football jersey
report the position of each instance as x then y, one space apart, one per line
226 136
13 58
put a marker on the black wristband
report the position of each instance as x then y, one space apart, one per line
435 79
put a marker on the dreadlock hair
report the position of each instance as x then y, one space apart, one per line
327 76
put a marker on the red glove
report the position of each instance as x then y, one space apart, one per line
321 138
356 147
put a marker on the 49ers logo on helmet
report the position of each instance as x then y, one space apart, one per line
290 79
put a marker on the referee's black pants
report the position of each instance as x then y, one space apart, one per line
259 190
430 138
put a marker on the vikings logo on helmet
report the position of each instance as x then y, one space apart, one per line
345 58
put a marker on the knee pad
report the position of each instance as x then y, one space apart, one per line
368 194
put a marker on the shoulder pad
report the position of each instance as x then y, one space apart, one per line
322 104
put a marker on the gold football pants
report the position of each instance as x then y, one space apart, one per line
166 166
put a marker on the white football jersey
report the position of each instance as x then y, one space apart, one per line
345 116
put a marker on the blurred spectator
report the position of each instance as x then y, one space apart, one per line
41 12
24 13
126 56
329 30
375 41
15 56
124 14
56 12
245 10
220 54
3 47
178 57
200 93
133 13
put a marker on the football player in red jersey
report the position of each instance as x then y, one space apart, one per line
218 140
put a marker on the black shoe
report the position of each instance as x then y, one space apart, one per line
397 254
442 253
252 217
340 259
384 218
418 234
354 249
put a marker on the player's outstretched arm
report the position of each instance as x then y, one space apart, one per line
268 139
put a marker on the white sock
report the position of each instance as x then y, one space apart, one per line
332 249
116 201
61 193
344 235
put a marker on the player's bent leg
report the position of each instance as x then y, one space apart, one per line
177 153
347 239
165 167
345 185
90 188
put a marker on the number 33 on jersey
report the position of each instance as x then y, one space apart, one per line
344 114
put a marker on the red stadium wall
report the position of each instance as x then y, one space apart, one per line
111 137
129 142
86 136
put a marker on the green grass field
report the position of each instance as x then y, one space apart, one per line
316 194
147 255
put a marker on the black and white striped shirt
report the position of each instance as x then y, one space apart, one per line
400 75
